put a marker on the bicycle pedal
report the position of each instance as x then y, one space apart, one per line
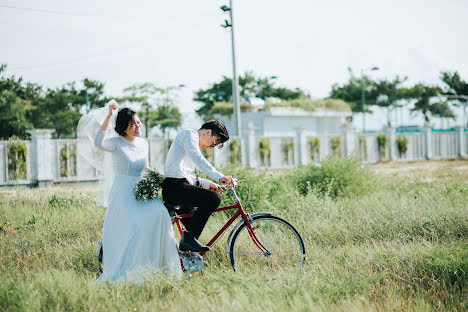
192 261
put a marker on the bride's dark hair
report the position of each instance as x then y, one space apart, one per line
124 118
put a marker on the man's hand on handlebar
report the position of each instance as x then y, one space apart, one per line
217 188
229 180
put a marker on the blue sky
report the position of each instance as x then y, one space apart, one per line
307 44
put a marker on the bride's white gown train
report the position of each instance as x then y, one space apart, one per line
138 236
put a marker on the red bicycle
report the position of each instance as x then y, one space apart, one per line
258 241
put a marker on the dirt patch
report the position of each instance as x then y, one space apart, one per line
444 171
399 167
8 230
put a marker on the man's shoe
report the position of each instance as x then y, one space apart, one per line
189 243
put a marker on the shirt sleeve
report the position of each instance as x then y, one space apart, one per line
193 151
204 183
102 143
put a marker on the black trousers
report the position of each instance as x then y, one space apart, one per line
179 191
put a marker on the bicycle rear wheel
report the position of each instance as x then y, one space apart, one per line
284 244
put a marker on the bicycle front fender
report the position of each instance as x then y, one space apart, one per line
228 243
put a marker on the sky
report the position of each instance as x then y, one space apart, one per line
305 43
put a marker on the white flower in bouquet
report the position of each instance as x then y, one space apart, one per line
149 185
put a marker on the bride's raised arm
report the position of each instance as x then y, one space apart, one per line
100 140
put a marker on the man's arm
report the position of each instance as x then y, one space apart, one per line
193 151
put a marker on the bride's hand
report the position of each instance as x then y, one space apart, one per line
112 107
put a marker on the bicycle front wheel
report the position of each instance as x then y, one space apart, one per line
283 242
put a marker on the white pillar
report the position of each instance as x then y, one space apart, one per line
428 140
251 147
42 156
301 151
393 146
461 141
349 139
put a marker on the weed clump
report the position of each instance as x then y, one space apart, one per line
337 178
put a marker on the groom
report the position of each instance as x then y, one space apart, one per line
181 187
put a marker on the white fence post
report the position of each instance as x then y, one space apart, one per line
428 140
251 147
461 141
393 146
301 147
42 155
349 139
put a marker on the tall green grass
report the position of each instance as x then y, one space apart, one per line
401 245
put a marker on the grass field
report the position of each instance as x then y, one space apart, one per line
401 244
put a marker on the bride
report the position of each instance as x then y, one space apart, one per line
138 236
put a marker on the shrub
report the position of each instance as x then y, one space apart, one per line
337 178
382 142
264 150
252 195
314 147
336 143
17 152
402 144
68 160
311 105
236 151
288 150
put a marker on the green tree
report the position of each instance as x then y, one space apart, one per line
456 90
166 117
388 92
428 102
249 85
158 105
92 95
59 110
146 96
15 105
350 92
13 119
218 92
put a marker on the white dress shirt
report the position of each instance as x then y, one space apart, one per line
184 155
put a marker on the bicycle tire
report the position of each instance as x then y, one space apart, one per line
277 235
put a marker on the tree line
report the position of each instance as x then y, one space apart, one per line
429 100
26 105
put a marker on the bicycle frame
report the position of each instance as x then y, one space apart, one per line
240 212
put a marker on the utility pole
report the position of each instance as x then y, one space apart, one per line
363 97
395 98
235 82
363 100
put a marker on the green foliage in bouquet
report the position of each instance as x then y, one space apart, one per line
149 186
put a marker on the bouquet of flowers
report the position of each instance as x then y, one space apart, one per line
149 185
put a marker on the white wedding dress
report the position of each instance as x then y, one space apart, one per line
138 237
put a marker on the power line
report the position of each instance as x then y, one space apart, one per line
68 13
136 45
45 11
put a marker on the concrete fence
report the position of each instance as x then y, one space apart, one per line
49 161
